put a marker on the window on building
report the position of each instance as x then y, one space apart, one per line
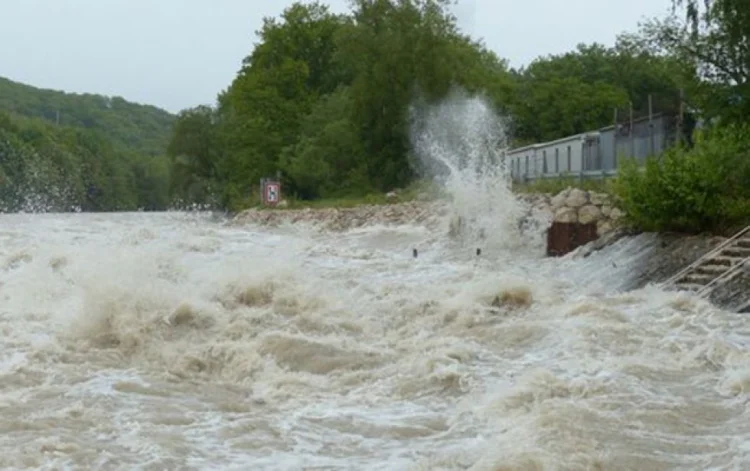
527 166
569 166
544 161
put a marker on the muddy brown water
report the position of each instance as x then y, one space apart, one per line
173 341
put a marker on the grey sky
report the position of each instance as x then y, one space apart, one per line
180 53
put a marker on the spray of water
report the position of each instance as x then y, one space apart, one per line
460 143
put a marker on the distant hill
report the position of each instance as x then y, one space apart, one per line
132 127
81 152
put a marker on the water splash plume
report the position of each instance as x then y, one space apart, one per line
459 142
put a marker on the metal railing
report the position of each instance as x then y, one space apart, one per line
724 277
705 256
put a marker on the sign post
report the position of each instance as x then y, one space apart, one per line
270 192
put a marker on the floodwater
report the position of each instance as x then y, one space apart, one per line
174 341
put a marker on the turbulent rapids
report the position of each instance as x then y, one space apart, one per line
176 341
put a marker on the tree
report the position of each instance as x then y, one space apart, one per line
713 37
194 152
328 160
327 99
577 91
260 114
102 154
401 51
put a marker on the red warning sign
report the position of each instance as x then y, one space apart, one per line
271 192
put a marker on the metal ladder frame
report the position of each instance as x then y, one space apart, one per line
724 277
707 255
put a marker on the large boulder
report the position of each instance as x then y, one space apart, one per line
558 201
576 198
598 199
603 227
566 215
589 213
616 214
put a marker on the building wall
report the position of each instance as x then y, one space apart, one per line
554 158
597 151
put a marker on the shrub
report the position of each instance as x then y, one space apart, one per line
703 188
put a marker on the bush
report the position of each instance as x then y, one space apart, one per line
704 188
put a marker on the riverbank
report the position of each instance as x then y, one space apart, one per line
659 256
427 213
570 205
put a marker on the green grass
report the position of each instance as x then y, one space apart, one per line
556 185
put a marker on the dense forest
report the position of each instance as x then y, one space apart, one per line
63 151
325 99
143 129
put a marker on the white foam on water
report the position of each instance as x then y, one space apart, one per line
173 341
170 342
460 142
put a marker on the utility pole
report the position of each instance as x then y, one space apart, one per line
631 135
680 116
650 126
614 140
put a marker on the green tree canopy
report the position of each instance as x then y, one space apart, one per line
62 151
325 98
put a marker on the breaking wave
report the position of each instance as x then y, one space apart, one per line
176 340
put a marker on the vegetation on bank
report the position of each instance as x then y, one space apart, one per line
328 100
69 152
706 187
45 167
702 188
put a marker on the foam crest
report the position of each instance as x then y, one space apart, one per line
186 342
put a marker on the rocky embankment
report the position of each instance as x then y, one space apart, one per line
578 206
569 206
654 257
339 219
659 256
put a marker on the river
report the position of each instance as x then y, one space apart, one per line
178 341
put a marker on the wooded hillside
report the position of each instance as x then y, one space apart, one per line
62 151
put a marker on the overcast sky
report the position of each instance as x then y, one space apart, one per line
181 53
